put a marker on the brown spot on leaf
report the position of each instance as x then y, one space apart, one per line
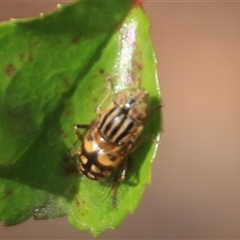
90 88
76 39
21 56
10 69
101 71
77 202
68 113
64 135
74 190
139 67
66 82
30 58
104 89
8 194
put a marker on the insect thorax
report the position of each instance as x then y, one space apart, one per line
122 121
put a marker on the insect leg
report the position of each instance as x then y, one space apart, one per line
156 107
77 132
110 88
118 179
151 113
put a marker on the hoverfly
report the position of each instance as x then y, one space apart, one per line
112 136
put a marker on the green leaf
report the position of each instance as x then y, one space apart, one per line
53 75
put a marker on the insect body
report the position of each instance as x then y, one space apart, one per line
110 139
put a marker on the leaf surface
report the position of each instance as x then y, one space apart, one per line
53 75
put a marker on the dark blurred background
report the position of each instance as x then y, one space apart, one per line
195 191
